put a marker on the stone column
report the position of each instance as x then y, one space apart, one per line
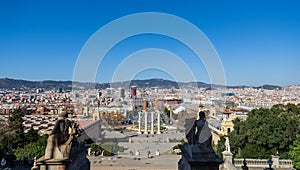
156 105
158 123
144 105
171 113
152 131
146 126
139 131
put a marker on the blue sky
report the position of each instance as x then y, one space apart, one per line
257 42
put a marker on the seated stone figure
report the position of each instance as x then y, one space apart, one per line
61 138
200 133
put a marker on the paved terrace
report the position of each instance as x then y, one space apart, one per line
164 162
144 143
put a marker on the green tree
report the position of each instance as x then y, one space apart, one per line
32 149
167 112
220 147
13 138
95 147
265 132
295 152
111 148
182 142
6 137
15 127
31 136
12 132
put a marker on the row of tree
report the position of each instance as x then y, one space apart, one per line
13 140
267 132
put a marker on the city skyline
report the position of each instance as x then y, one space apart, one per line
257 42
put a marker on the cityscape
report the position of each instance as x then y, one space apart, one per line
136 114
161 85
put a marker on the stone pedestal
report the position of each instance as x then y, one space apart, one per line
195 157
54 164
77 161
275 159
227 156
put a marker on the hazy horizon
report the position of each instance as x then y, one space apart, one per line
258 85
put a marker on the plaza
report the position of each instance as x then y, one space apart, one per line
164 162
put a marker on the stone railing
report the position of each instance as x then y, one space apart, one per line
263 163
285 163
251 162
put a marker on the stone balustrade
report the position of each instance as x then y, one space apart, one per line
262 163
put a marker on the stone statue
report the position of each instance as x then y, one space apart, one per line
61 138
227 145
200 133
198 152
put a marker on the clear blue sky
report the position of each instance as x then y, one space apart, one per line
258 42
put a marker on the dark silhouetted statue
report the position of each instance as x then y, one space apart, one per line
200 133
198 152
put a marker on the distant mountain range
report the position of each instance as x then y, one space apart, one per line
9 84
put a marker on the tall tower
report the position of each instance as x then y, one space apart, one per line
156 105
133 91
122 93
227 124
144 105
